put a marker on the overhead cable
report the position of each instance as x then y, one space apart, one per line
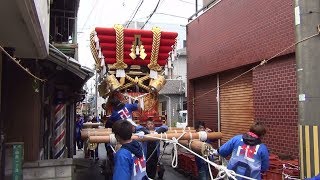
155 9
134 13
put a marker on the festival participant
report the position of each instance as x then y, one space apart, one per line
129 159
249 156
122 111
152 149
203 170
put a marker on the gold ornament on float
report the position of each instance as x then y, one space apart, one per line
137 49
157 84
113 83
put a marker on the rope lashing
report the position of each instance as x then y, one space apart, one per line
174 141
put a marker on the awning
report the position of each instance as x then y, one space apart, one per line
69 63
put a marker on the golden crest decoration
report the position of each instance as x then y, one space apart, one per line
137 49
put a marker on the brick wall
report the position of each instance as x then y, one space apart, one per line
275 103
238 32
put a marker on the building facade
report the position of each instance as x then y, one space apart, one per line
172 97
224 44
29 110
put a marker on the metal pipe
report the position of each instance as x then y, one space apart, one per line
212 3
196 6
193 124
218 104
169 108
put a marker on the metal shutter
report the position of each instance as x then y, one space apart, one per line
236 104
206 105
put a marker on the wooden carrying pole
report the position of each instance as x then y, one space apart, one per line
175 128
85 133
198 146
90 125
153 137
109 129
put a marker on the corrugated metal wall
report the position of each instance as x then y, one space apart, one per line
236 104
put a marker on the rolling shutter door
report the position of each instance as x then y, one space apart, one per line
236 104
206 102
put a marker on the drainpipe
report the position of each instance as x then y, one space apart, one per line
193 112
169 109
180 98
218 104
196 6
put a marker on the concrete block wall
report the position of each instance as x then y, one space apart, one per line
59 169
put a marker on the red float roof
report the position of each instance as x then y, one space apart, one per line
105 40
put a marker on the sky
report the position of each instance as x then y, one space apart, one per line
171 15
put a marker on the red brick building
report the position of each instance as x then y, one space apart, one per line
229 39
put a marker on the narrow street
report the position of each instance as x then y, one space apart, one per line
170 173
237 79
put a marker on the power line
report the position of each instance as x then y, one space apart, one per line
172 15
93 7
134 13
155 9
260 64
186 2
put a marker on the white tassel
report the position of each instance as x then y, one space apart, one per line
137 50
102 61
120 73
100 55
104 70
142 103
96 39
97 45
153 74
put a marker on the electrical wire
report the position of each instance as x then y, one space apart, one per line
155 9
134 13
88 17
172 15
18 63
261 63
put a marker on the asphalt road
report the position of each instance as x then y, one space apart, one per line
170 173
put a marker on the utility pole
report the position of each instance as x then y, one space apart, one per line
196 6
307 18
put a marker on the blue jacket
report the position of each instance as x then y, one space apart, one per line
247 160
79 126
130 164
314 178
124 113
145 144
